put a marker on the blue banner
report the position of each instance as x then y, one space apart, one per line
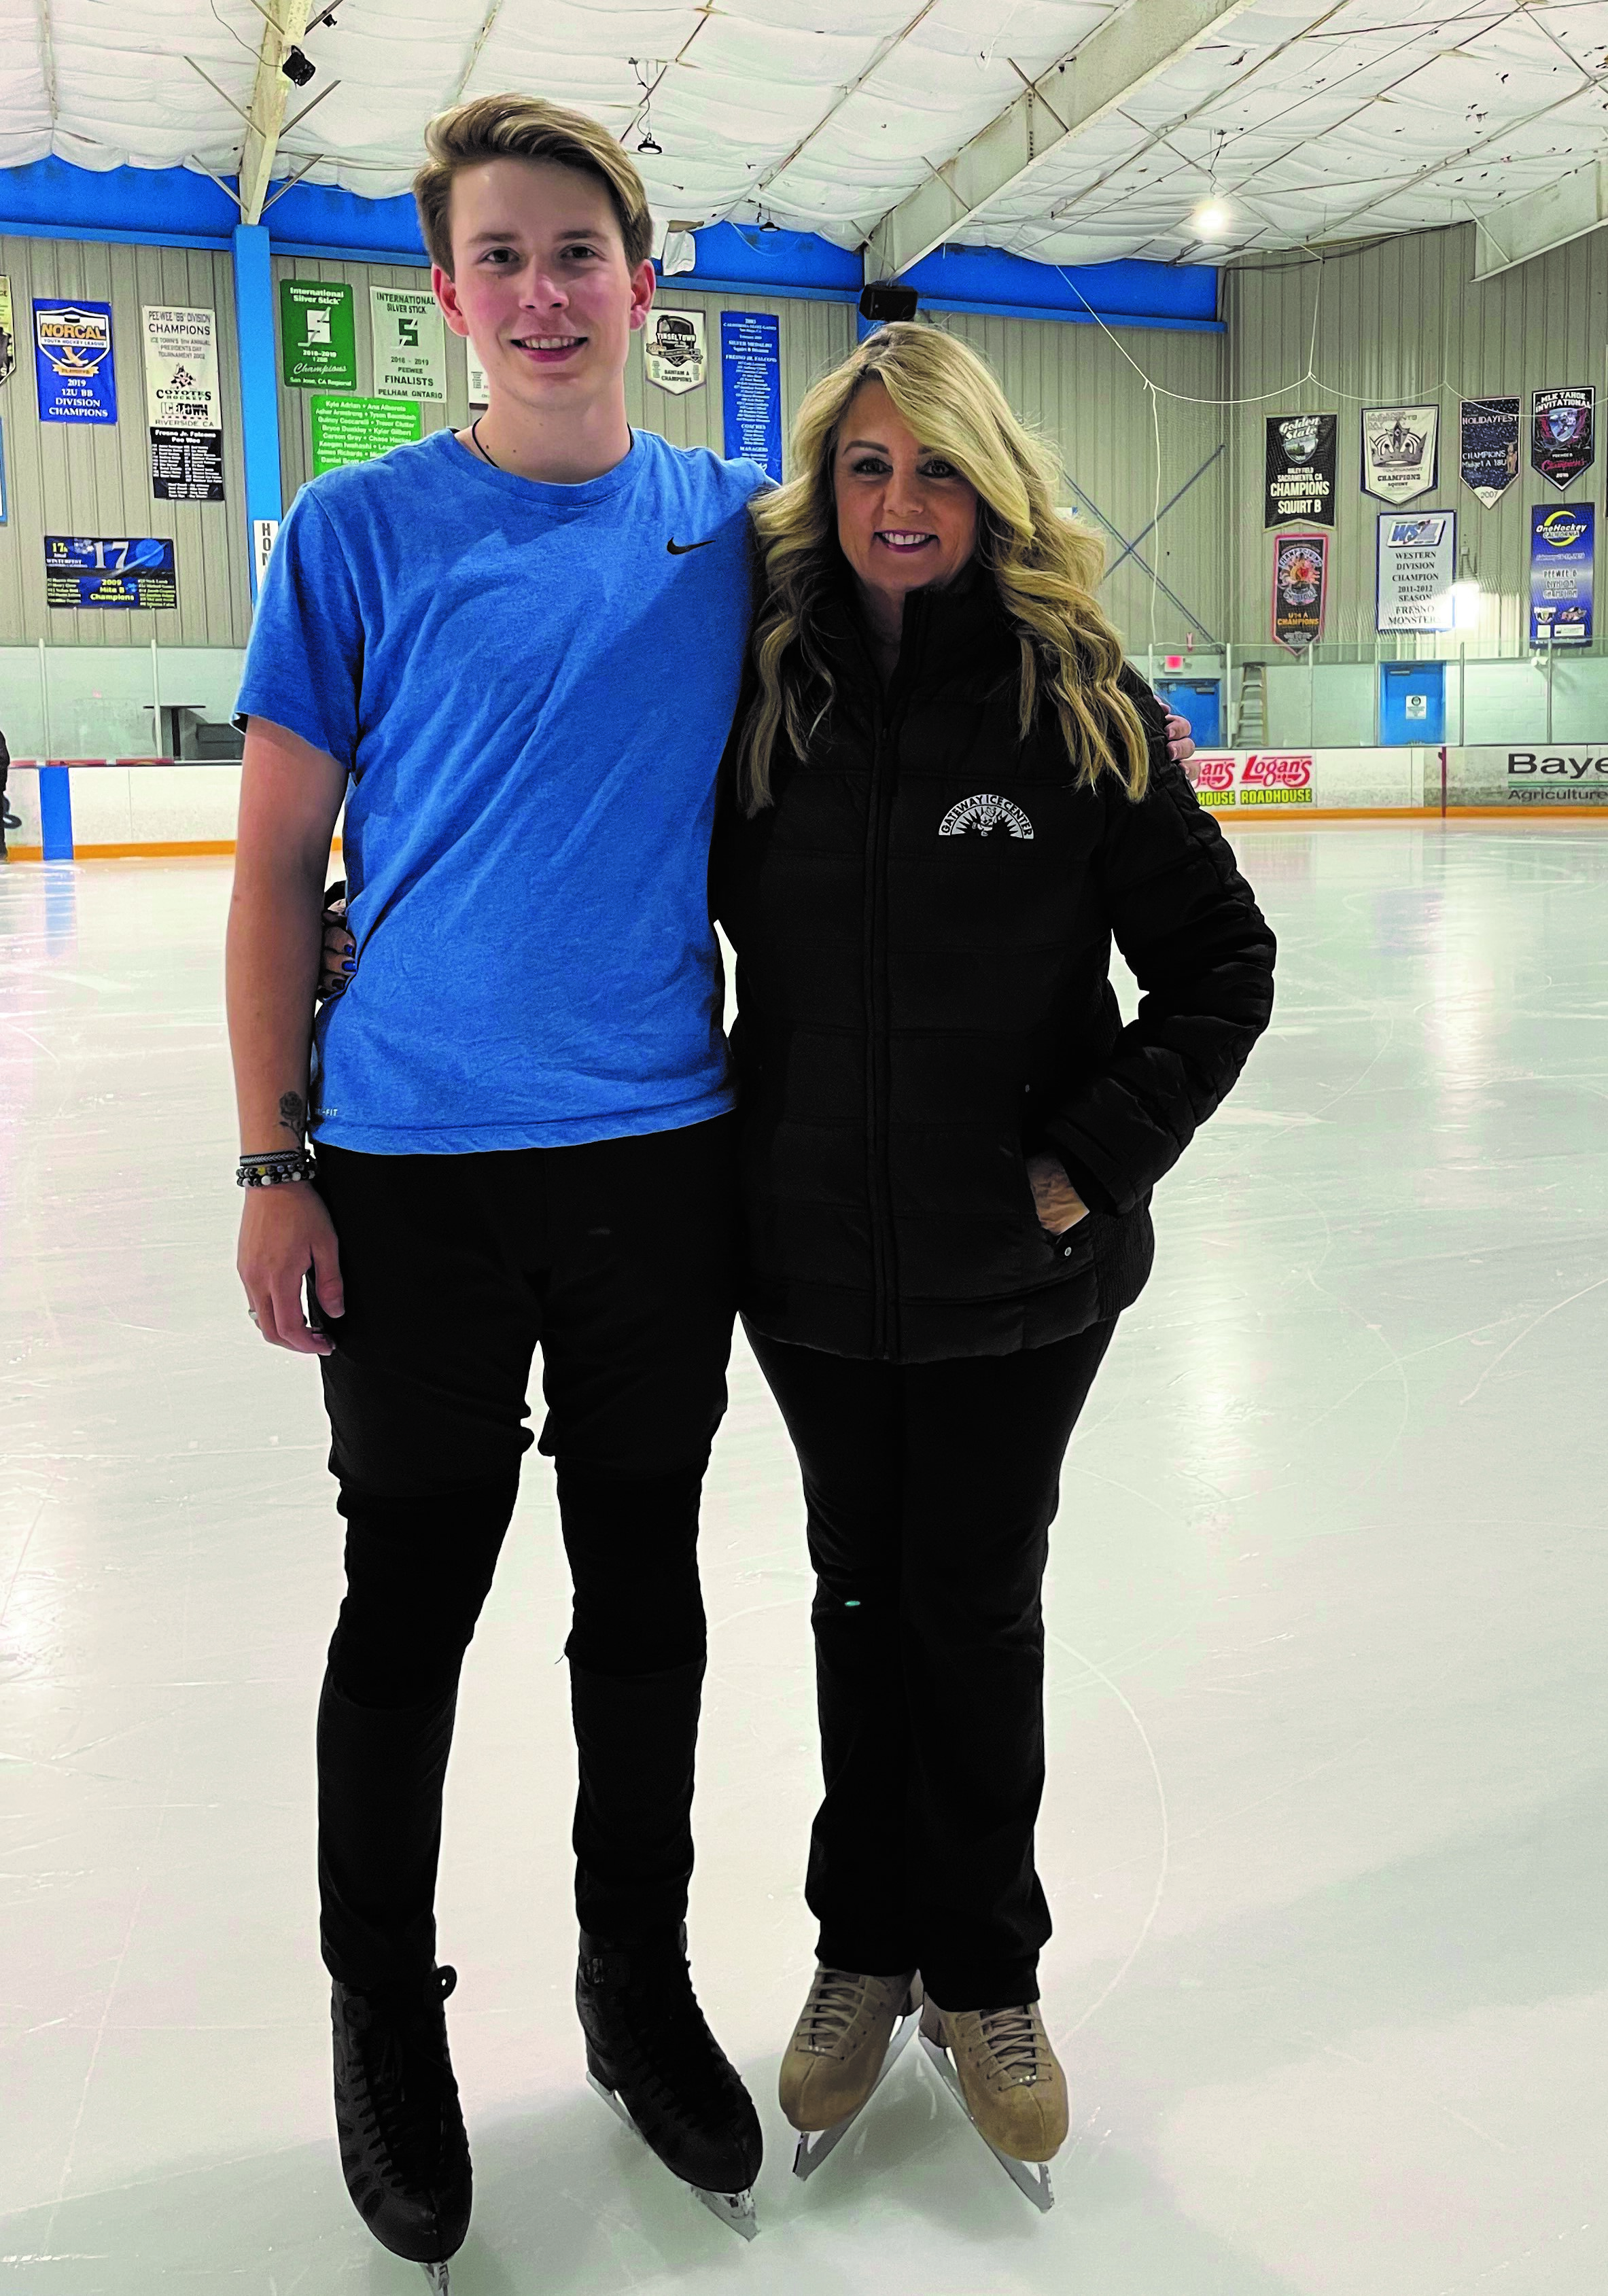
751 370
1562 548
84 569
73 363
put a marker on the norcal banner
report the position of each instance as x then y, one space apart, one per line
1300 573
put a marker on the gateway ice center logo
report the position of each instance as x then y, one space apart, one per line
984 813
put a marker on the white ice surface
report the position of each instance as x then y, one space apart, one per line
1325 1828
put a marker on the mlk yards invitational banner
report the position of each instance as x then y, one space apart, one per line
1300 574
182 403
1489 445
1562 432
1299 469
1399 451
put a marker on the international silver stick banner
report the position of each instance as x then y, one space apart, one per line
673 351
410 344
1399 451
182 406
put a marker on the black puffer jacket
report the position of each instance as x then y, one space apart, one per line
922 922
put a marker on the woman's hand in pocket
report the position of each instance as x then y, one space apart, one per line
339 958
1058 1205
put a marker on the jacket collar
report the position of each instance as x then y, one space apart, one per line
959 632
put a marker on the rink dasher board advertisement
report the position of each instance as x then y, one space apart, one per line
1290 783
1569 776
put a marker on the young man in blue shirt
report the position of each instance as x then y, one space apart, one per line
514 652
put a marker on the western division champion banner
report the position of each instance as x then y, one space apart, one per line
750 369
1562 432
317 336
673 352
182 403
134 571
410 344
1399 451
1299 469
1489 446
1300 578
356 429
8 332
1562 562
1417 564
73 363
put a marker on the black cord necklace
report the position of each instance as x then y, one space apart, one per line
474 432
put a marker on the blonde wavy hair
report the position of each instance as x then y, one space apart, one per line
1043 564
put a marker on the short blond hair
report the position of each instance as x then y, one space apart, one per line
526 127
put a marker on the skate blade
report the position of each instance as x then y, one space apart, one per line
436 2274
735 2211
815 2145
1031 2177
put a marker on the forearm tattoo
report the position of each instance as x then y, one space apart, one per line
292 1114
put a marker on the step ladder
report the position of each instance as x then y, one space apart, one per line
1250 708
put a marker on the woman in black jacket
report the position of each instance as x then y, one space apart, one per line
949 797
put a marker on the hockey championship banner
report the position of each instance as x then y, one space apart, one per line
1399 451
1562 432
1562 564
8 332
182 403
1299 480
1301 576
1489 446
1417 565
409 337
73 363
673 352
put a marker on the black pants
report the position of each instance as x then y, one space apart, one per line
618 1258
931 1489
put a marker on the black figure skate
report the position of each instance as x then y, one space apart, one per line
651 2058
403 2146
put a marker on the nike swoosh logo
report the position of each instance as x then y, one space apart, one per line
680 549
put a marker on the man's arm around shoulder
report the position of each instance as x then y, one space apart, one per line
290 796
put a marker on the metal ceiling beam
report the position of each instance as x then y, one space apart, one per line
285 26
1130 49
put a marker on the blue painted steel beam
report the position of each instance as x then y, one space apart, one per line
259 371
55 812
177 207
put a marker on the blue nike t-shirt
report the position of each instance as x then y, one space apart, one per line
530 687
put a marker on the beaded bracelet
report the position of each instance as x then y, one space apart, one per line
273 1169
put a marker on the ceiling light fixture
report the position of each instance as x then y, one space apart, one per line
1211 219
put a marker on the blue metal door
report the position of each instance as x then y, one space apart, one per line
1200 700
1412 702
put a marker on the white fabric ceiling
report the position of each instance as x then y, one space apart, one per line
1315 123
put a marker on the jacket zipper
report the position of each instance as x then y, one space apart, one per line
884 778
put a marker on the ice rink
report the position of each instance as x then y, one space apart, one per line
1326 1823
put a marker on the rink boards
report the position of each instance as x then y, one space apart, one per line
96 808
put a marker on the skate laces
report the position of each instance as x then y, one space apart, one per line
1017 2044
669 2035
409 2076
837 1998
